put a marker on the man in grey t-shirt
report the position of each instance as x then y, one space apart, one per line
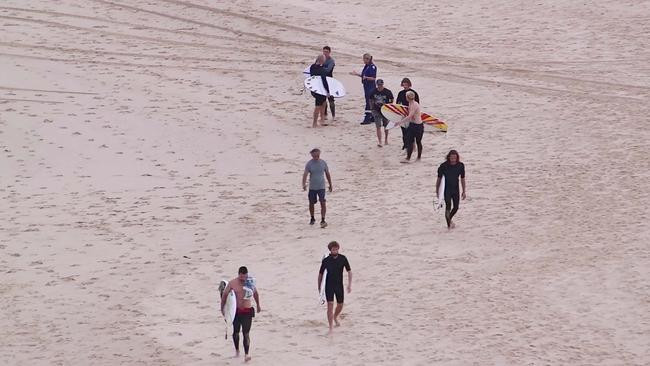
329 68
317 170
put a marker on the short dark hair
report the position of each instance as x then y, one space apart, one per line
453 152
327 48
243 270
333 244
406 80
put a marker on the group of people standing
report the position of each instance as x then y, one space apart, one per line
452 170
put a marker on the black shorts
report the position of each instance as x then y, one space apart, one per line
319 99
316 195
334 290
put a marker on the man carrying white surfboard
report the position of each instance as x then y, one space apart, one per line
452 169
334 265
245 311
317 170
317 69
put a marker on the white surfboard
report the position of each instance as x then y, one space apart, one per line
441 194
230 307
315 84
307 72
321 295
390 125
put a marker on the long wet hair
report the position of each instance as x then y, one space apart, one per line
453 152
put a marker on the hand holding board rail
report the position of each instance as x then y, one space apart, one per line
395 112
315 84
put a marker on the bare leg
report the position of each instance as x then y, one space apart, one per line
323 210
330 315
311 209
322 113
379 136
386 133
339 309
316 111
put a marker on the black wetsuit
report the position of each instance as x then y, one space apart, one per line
334 280
401 99
243 320
314 70
452 190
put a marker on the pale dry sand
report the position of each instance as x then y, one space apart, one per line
150 148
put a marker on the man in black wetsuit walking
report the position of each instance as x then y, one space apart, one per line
334 264
452 169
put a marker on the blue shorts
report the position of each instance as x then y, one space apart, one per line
316 195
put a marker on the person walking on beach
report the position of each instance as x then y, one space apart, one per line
401 99
415 129
334 263
329 69
379 97
319 108
317 170
368 76
245 290
452 169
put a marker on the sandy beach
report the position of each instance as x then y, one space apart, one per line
150 148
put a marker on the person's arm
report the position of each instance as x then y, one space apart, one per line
256 296
462 183
371 74
390 97
329 179
437 186
304 180
347 267
325 84
224 296
462 180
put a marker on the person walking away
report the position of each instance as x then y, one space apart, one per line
329 69
401 99
245 290
317 170
452 169
379 97
317 69
334 263
368 76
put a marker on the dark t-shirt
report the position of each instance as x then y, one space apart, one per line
319 70
380 98
451 173
334 267
401 97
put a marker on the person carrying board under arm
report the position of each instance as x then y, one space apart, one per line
245 290
320 100
334 263
452 169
